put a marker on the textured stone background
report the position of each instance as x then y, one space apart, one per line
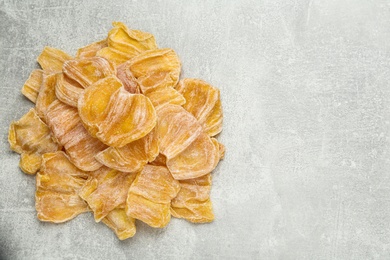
305 91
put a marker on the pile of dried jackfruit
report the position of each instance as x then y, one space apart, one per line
114 131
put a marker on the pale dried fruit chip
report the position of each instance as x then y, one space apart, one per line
193 200
198 159
32 85
133 156
177 129
120 223
30 162
46 95
91 49
51 59
203 101
150 196
67 128
57 185
115 116
105 190
88 70
67 90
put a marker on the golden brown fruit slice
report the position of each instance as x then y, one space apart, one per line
105 190
68 129
120 223
88 70
113 55
193 200
46 95
160 160
177 129
127 79
32 85
115 116
91 49
57 184
133 156
150 196
51 59
31 135
30 162
93 102
198 159
68 91
220 147
213 124
155 66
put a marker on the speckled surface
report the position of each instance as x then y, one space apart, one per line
306 97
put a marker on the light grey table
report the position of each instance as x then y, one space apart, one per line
305 87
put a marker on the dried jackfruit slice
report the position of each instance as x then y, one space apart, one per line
57 184
151 67
91 49
116 118
198 159
193 200
213 124
93 102
128 80
67 90
88 70
220 147
30 162
32 85
120 223
150 196
105 190
133 156
113 55
46 95
177 129
31 135
68 129
51 59
160 160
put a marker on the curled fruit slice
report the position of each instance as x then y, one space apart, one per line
67 90
133 156
46 95
88 70
51 59
30 162
115 116
67 128
105 190
32 85
150 196
198 159
203 101
120 223
91 49
193 200
177 129
57 184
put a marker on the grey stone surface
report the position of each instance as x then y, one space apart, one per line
306 97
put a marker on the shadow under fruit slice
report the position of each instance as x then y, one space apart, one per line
57 185
115 116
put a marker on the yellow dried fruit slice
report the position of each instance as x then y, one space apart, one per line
150 196
46 95
120 223
105 190
113 55
30 162
198 159
67 90
51 59
31 135
91 49
32 85
213 124
57 184
88 70
93 102
68 129
128 80
193 200
177 129
200 97
220 147
133 156
155 65
130 117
